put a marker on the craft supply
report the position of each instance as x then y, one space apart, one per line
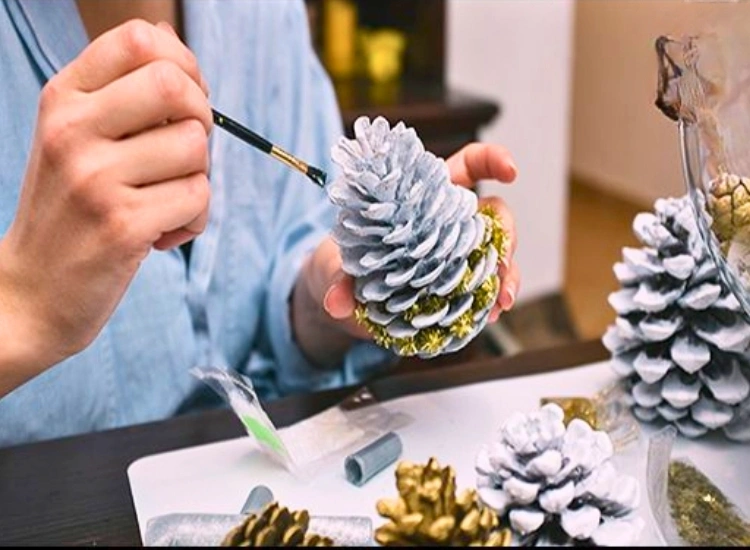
576 407
429 513
317 175
703 514
423 255
608 410
680 340
201 530
260 497
556 484
364 464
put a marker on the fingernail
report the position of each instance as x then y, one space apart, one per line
504 265
513 167
327 299
509 298
166 26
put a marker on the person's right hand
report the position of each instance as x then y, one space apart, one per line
118 165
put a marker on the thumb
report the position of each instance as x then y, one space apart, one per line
329 286
339 300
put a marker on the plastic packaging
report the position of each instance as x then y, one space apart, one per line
704 85
312 444
688 508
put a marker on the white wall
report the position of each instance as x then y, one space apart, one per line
620 141
519 53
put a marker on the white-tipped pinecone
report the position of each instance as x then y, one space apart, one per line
424 259
679 340
556 484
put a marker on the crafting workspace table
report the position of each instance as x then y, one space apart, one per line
75 491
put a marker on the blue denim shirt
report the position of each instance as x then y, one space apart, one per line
229 306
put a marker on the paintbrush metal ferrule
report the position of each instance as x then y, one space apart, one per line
317 175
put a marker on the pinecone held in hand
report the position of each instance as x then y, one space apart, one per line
556 484
275 526
680 341
423 257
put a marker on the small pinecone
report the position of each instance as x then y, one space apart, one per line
729 206
428 512
423 257
556 484
275 526
680 341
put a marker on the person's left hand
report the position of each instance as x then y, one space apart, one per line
334 290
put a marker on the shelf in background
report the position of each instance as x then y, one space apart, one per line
444 118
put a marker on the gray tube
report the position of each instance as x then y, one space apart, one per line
362 465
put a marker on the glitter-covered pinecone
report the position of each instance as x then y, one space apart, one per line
423 257
275 526
556 484
679 341
429 513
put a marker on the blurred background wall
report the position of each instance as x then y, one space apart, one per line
622 144
519 53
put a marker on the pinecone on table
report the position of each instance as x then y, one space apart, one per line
275 526
556 484
423 257
429 513
680 341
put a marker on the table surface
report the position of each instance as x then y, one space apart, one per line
75 491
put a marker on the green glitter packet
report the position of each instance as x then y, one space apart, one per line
307 447
689 509
239 394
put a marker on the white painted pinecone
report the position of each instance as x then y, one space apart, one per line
557 485
679 339
424 259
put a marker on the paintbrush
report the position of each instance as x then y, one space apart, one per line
317 175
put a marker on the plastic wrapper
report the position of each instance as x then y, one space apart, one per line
704 85
312 444
609 410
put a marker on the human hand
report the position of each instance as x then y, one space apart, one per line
330 288
118 166
483 161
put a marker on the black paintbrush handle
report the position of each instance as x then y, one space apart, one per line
241 132
317 175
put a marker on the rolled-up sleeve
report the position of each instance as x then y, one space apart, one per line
304 99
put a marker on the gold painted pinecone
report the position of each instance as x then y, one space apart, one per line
429 513
276 526
729 206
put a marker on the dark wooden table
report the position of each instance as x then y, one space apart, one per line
75 491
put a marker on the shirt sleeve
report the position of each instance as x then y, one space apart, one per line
308 122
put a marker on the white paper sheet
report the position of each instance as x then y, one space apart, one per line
449 425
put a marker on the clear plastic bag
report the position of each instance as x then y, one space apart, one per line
312 444
704 84
688 508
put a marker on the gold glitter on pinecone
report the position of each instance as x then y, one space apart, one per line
275 526
429 513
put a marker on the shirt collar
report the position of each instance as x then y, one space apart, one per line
52 31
